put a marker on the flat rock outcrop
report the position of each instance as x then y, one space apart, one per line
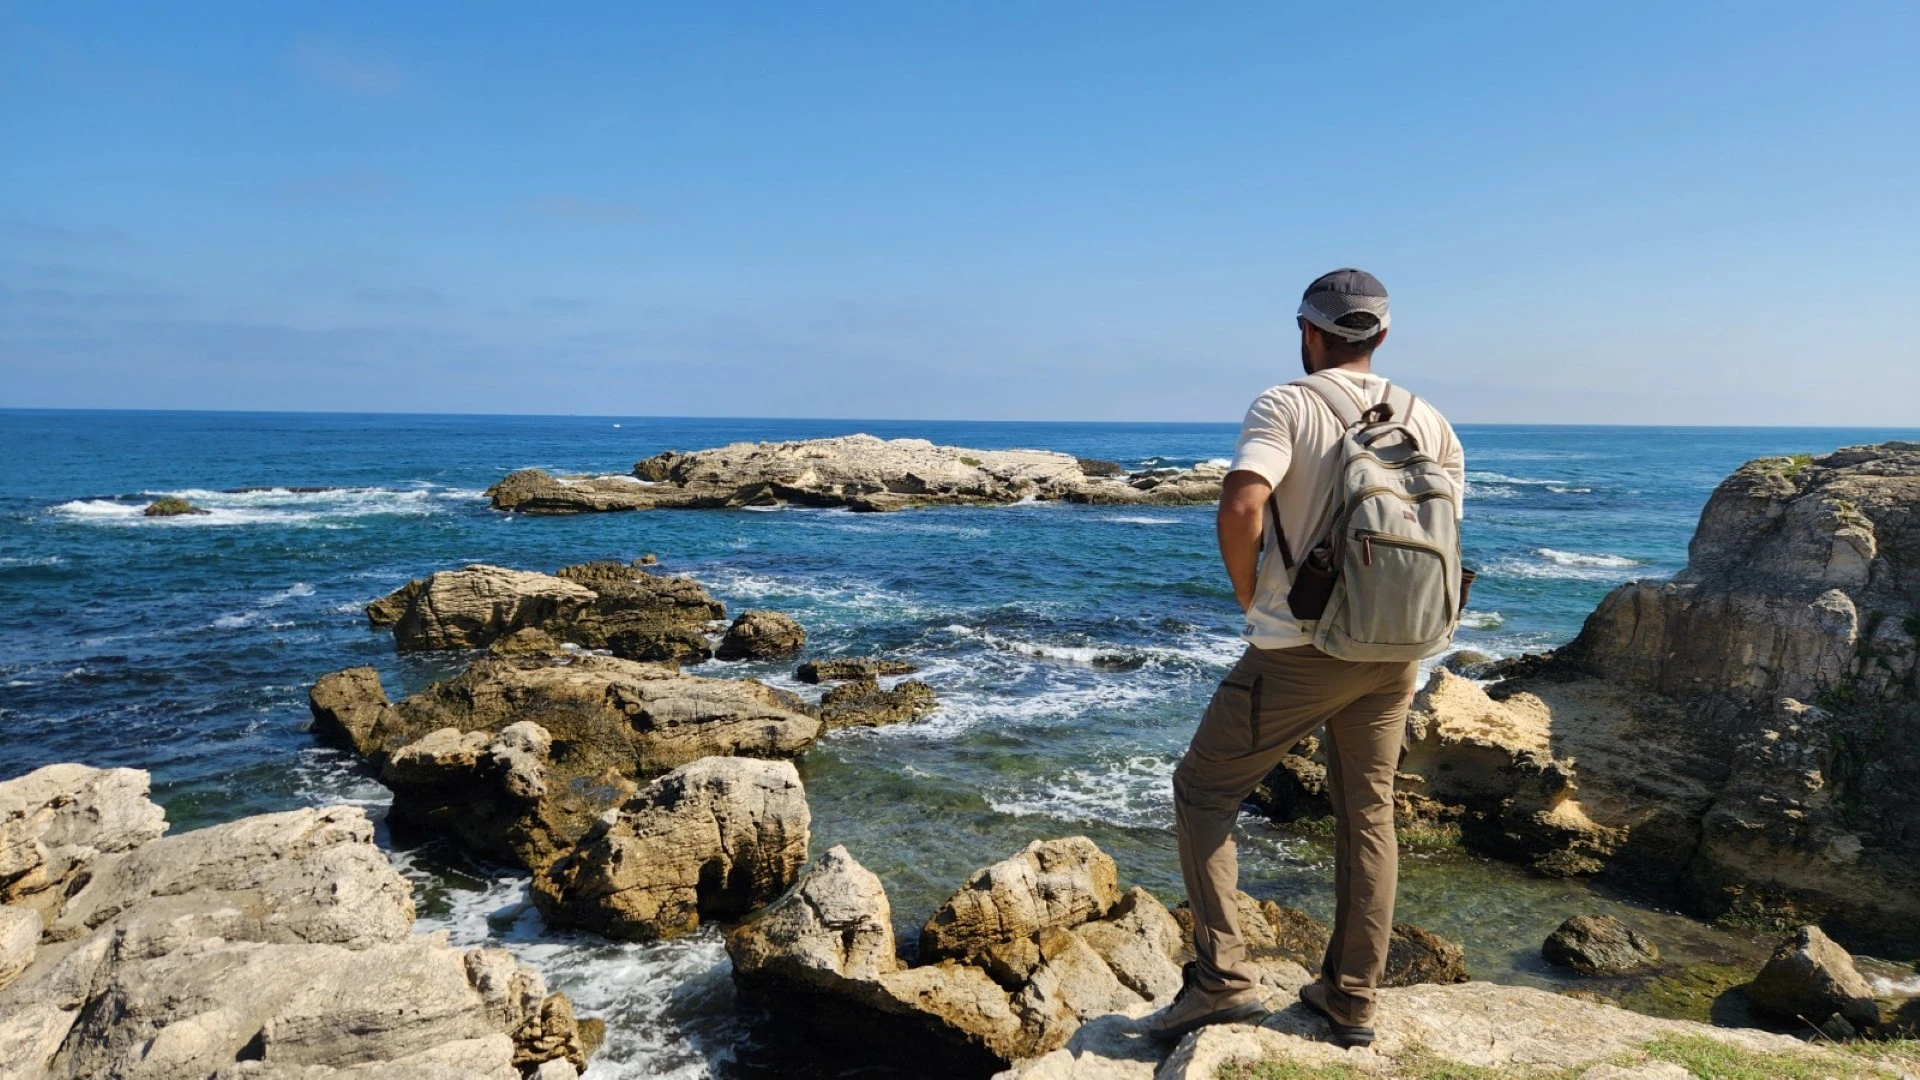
603 605
518 756
761 635
1422 1031
277 945
1744 739
852 669
864 703
859 472
716 838
1050 942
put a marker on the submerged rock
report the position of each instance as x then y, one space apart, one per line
270 946
1599 945
519 755
1812 979
605 605
855 669
856 471
716 838
761 635
863 703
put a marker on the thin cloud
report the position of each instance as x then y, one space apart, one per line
350 71
590 211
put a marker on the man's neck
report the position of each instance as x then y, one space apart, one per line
1362 366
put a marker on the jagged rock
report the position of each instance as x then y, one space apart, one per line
56 819
1422 1030
1470 663
1052 884
19 939
171 506
1599 945
284 940
715 838
855 471
1041 963
518 756
604 605
528 641
864 704
1811 978
856 669
761 635
1416 955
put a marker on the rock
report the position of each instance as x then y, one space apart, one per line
1281 938
1457 1030
1054 945
761 635
518 756
1599 945
855 471
1416 955
716 838
19 939
57 819
865 704
1810 978
1469 663
387 610
171 506
1052 884
528 641
277 945
856 669
471 607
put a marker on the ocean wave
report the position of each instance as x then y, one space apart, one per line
1575 558
1135 791
1138 519
1481 620
8 561
1559 490
330 507
1552 564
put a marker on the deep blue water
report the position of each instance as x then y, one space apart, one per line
1072 646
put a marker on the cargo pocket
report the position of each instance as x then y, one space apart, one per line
1231 724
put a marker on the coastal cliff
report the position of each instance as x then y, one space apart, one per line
859 472
1744 738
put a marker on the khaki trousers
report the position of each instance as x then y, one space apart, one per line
1269 701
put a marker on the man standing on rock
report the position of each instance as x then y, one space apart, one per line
1288 468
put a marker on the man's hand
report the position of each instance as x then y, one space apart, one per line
1243 502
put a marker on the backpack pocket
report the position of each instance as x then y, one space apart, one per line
1396 590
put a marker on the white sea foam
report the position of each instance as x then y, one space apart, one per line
1134 791
1559 490
31 560
1895 988
1139 519
333 508
1481 620
1575 558
1218 462
1551 564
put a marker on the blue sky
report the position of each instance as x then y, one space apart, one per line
1600 212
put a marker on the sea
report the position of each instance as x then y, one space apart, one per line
1072 648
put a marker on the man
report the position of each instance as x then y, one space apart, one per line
1283 687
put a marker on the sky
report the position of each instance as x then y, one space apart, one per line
1692 213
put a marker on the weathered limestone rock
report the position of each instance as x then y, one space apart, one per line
855 669
1811 978
19 938
1282 937
518 755
1471 1025
761 635
862 703
716 838
57 818
284 940
1599 945
171 506
1052 884
856 471
1041 960
602 605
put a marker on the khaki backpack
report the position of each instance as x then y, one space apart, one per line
1384 582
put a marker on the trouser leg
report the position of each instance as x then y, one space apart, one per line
1269 702
1363 750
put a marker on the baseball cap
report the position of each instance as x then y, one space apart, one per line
1341 293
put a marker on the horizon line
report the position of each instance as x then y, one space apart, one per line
890 420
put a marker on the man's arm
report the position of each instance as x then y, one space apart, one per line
1243 501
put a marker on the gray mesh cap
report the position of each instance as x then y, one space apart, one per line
1341 293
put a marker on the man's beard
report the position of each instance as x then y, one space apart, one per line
1306 364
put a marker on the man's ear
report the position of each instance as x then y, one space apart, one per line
1381 340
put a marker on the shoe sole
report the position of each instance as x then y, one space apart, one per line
1227 1016
1348 1036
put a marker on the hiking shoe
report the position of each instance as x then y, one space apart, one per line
1314 996
1194 1008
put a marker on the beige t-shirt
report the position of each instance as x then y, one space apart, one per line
1290 438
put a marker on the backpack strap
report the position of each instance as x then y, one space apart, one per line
1396 403
1336 396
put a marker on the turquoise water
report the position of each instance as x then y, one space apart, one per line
1072 646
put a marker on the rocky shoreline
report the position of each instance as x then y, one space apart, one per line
857 472
1742 738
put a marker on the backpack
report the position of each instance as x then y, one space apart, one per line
1384 583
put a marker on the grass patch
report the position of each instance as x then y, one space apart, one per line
971 462
1712 1060
1692 993
1417 1065
1707 1059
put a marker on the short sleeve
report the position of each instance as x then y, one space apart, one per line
1266 440
1455 464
